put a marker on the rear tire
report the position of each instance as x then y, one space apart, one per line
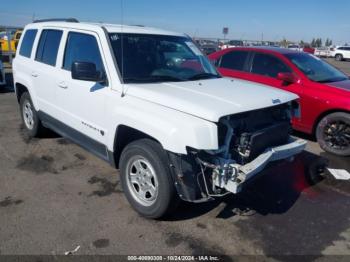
146 179
30 118
339 57
333 134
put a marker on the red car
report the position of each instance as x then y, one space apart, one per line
324 91
308 49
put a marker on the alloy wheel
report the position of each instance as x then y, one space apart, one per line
28 115
337 135
142 181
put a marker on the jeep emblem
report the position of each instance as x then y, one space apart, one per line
276 101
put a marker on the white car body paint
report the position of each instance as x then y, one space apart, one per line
344 51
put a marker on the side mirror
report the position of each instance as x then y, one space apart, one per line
86 71
288 78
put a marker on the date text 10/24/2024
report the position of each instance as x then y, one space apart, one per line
174 258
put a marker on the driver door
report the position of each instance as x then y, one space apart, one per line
82 103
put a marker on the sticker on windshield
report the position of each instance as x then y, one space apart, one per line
194 48
114 37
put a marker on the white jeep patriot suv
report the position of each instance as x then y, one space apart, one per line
151 104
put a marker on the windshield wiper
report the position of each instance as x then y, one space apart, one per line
204 76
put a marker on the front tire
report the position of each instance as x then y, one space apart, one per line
30 117
146 179
333 133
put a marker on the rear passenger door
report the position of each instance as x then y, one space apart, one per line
234 64
82 103
44 72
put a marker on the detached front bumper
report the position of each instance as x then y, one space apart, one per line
236 175
200 181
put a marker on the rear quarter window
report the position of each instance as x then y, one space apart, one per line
27 43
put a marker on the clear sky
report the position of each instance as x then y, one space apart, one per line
248 19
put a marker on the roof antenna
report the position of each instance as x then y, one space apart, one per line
122 46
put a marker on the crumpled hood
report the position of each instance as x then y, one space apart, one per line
341 84
211 99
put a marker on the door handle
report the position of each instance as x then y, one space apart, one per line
63 85
35 74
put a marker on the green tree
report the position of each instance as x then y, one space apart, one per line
313 42
318 42
329 42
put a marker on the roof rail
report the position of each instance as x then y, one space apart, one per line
70 20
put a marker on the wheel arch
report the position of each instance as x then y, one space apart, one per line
124 135
339 54
20 89
324 114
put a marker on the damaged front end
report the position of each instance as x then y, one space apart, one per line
248 142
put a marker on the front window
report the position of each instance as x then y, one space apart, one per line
316 69
268 65
82 48
144 58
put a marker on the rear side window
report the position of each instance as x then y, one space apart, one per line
82 48
234 60
27 43
48 47
268 65
344 48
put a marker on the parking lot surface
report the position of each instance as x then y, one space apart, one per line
54 196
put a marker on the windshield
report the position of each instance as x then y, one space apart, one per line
316 69
144 58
